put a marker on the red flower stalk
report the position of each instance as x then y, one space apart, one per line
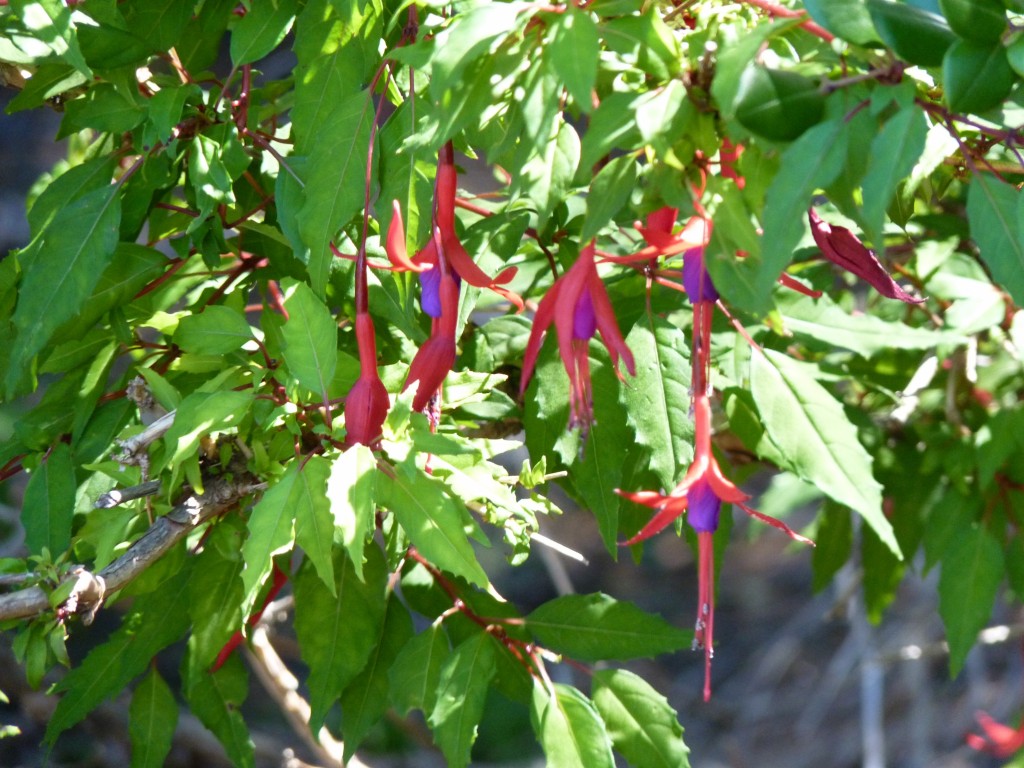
701 493
840 246
366 405
997 739
578 305
278 580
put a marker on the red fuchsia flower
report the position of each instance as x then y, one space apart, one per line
442 264
701 494
366 405
996 739
578 305
436 357
840 246
459 262
728 156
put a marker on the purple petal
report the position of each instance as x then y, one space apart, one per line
430 290
696 279
584 320
703 508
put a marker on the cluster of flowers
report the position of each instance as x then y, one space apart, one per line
578 306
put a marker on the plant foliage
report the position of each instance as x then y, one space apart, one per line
263 296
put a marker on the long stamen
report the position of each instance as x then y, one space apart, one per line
706 605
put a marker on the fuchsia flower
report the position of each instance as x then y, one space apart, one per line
840 246
366 405
997 739
436 357
442 264
704 488
701 494
578 305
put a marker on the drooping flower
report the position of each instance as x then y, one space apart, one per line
435 358
459 262
442 264
840 246
366 405
700 495
579 307
996 738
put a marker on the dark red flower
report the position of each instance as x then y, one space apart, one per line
367 403
578 305
840 246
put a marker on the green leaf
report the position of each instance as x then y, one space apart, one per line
821 322
981 21
338 628
469 36
461 693
658 400
271 531
817 441
215 595
848 19
814 160
569 728
777 104
310 338
416 672
217 330
200 414
597 627
833 543
261 30
574 54
365 700
433 521
918 35
613 124
894 152
972 570
641 723
977 76
50 21
994 211
151 625
334 50
609 191
216 699
72 185
74 251
152 719
314 523
49 503
351 492
547 174
335 181
102 108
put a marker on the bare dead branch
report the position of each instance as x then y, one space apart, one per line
90 589
281 684
121 495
